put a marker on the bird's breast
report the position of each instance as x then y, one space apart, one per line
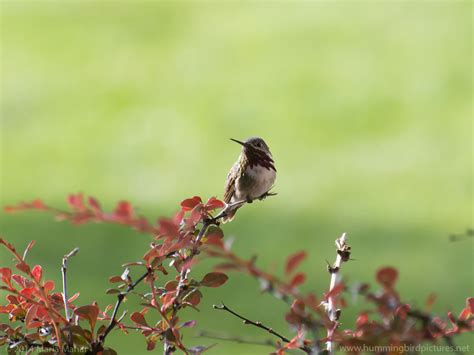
255 182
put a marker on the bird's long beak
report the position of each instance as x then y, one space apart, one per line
236 141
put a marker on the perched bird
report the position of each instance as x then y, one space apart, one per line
251 177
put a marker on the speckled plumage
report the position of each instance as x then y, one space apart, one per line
251 176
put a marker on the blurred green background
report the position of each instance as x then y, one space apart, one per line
366 107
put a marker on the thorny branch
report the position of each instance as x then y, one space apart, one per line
259 324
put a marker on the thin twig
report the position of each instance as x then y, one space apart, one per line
240 340
63 272
343 255
259 324
113 322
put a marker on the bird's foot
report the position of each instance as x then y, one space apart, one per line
215 220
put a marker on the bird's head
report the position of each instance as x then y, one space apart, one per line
254 145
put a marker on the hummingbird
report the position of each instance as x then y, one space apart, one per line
251 177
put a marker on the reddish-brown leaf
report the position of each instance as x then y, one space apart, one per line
88 312
30 316
139 318
362 319
294 260
335 291
213 203
298 279
114 279
22 266
95 205
214 279
76 202
73 297
470 304
150 344
188 324
387 277
37 272
6 275
195 217
48 286
123 210
168 228
468 310
190 203
298 307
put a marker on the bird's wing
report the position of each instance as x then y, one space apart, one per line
230 184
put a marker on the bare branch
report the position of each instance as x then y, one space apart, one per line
240 340
63 272
343 255
258 324
113 322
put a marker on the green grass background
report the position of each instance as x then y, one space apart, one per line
366 107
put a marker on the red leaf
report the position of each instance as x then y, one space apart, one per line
22 266
188 324
402 311
452 319
362 319
139 318
470 304
213 203
123 210
190 203
468 310
37 272
293 261
114 279
73 297
20 280
335 291
76 202
95 205
387 277
298 279
89 312
298 307
168 228
150 344
48 286
195 217
35 205
30 316
28 291
214 279
6 275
